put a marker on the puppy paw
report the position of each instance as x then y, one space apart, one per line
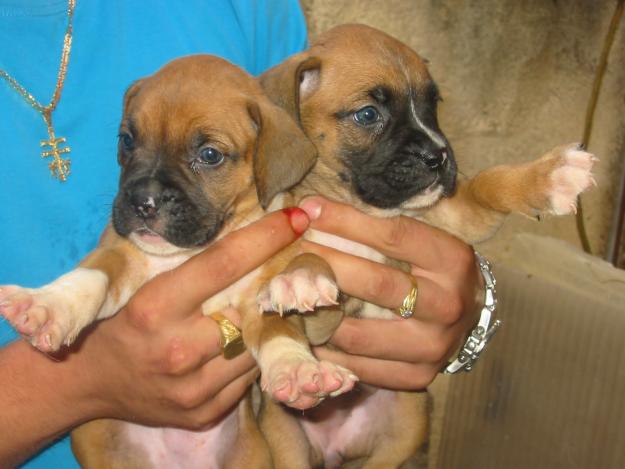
300 290
36 316
570 176
302 382
53 315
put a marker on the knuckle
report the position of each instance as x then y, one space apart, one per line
455 309
185 397
178 357
450 308
351 341
142 318
427 376
397 232
191 420
420 378
198 422
438 348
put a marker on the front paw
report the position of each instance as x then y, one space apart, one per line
569 177
300 290
53 315
303 382
36 316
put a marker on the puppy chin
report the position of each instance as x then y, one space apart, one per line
152 243
425 199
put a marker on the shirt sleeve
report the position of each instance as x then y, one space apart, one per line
274 30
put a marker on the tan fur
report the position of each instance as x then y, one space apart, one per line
276 155
335 75
120 260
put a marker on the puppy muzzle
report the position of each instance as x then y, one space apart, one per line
150 206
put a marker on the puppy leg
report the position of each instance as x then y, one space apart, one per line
290 373
54 314
549 185
250 448
285 436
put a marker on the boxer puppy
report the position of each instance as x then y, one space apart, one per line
202 152
369 105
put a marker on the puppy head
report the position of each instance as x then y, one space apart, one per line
199 144
369 105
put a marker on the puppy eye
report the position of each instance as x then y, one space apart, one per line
366 116
211 156
126 141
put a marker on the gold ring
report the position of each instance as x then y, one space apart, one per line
407 309
231 339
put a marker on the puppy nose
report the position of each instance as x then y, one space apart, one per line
144 200
436 158
145 207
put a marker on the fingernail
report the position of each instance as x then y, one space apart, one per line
297 218
311 207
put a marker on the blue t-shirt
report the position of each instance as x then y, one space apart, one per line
48 226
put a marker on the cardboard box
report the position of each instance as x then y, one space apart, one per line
549 392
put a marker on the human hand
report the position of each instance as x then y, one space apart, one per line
158 361
403 354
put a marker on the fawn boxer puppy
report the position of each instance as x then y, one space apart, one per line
369 105
202 152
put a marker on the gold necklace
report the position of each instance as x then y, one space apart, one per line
59 167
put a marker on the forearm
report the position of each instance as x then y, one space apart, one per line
41 399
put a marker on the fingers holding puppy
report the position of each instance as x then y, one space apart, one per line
160 358
447 276
448 285
217 267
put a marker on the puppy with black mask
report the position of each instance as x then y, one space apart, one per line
369 105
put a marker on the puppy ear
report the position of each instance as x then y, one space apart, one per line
292 81
283 156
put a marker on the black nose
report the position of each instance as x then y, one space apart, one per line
146 207
436 158
145 198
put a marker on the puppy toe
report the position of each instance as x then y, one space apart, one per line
336 379
16 301
281 389
305 401
32 320
328 291
570 177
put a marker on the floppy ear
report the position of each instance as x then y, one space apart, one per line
291 81
283 156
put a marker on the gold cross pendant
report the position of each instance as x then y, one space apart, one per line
59 167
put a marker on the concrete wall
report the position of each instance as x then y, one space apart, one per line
515 77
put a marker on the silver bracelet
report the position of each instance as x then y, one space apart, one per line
484 330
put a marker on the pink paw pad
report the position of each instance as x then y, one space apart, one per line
301 291
305 383
572 177
30 317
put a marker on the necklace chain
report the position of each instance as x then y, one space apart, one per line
59 167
